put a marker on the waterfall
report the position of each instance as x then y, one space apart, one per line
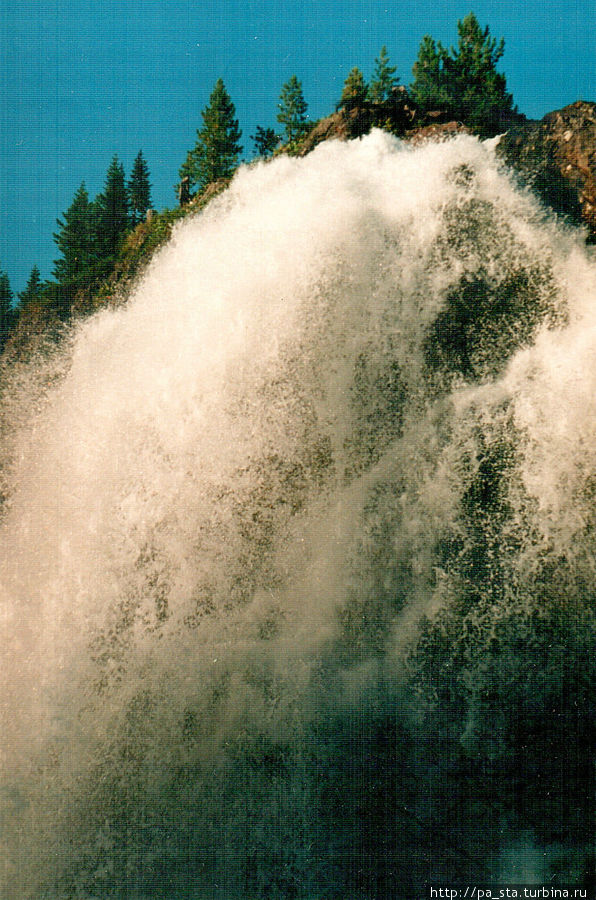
297 564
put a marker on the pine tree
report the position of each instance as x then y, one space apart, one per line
265 141
292 109
216 152
75 240
464 82
383 80
7 316
33 289
429 88
354 91
139 189
111 212
479 91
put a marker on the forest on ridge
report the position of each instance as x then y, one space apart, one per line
99 238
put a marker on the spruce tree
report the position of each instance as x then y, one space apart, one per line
384 78
33 289
139 189
354 91
292 109
265 141
111 212
7 316
75 240
217 149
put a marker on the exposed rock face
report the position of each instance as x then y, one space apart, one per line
338 126
557 158
437 132
396 114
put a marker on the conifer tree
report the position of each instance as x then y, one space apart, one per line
384 78
111 212
217 149
354 91
33 289
75 240
479 91
429 88
7 315
464 81
292 109
187 171
139 189
265 141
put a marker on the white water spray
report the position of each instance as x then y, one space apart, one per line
250 484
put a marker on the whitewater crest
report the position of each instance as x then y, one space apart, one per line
302 531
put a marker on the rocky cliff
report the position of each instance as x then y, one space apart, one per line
557 158
396 114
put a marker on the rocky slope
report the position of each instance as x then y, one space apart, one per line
557 158
397 114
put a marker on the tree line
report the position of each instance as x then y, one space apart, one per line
461 82
90 232
217 150
88 237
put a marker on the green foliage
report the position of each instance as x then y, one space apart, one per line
89 239
111 212
218 148
139 189
463 81
292 109
33 290
479 89
383 80
355 90
265 141
75 239
138 249
429 88
139 246
6 311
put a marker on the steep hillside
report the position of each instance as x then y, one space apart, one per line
556 158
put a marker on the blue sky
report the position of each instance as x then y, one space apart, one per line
81 80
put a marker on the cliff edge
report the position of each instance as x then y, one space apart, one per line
556 157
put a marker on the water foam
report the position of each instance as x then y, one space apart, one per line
246 490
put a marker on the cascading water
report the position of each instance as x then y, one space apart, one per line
298 547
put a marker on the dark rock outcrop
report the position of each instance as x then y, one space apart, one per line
396 114
436 131
556 157
399 115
